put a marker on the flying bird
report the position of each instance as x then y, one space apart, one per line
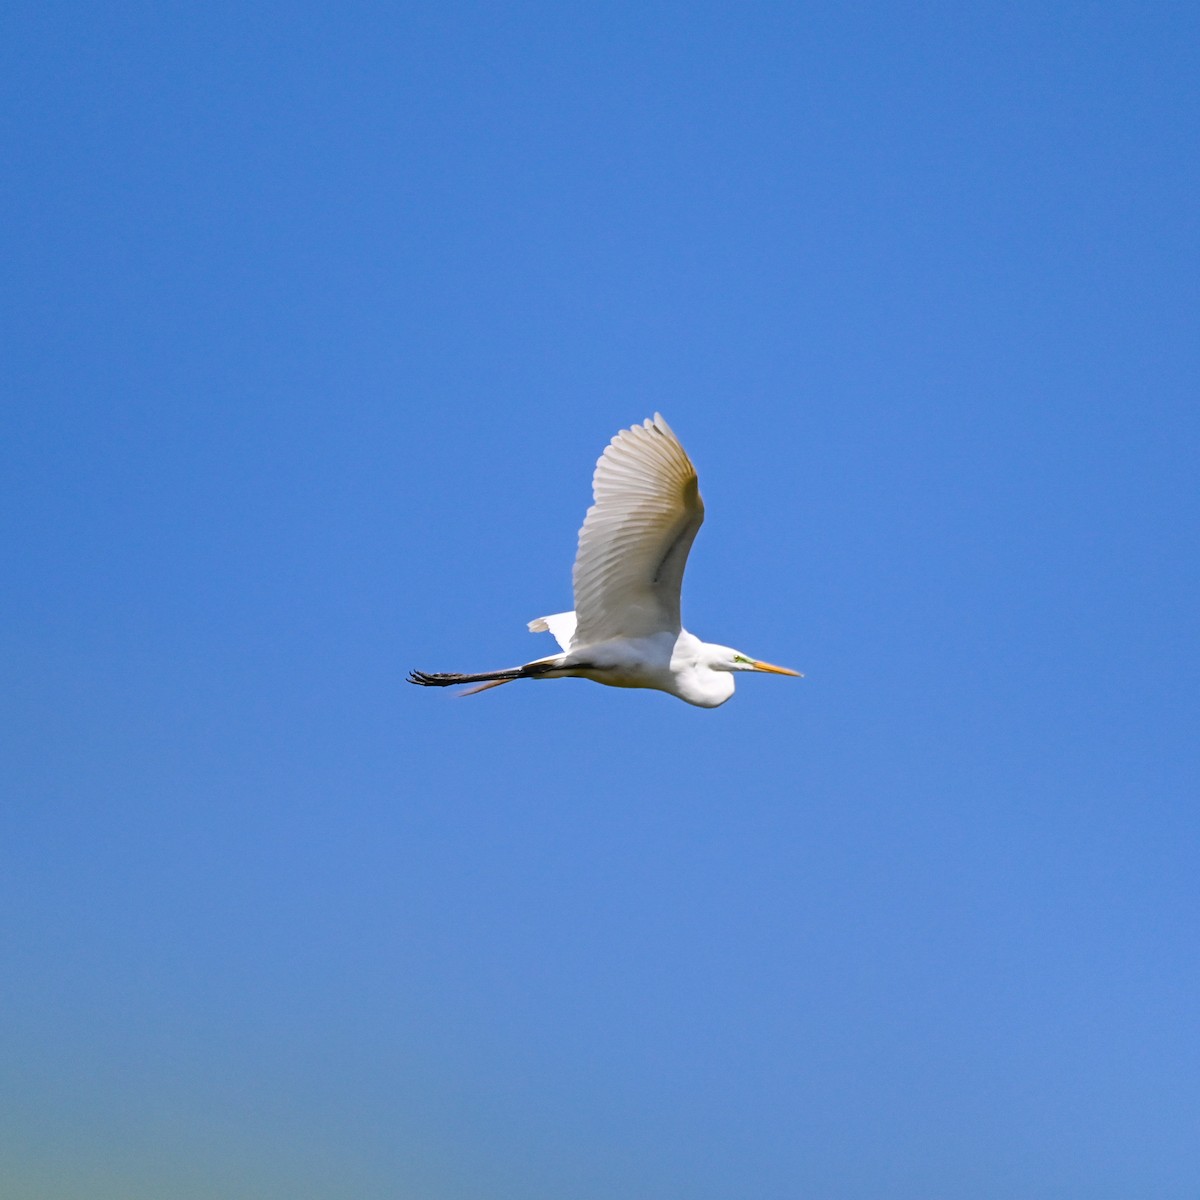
625 630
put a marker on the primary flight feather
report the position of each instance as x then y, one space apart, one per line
625 630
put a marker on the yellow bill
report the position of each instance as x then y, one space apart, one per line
762 666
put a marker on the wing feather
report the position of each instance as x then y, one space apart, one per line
635 538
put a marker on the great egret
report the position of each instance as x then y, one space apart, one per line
625 630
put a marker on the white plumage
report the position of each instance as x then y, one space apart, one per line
636 536
625 630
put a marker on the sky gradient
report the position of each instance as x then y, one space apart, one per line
317 318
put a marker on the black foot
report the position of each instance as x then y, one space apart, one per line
427 680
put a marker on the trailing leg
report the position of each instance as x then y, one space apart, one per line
533 670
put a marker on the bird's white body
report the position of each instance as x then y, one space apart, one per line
667 662
625 629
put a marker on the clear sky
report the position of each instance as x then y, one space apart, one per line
316 318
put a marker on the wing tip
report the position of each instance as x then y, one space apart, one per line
656 423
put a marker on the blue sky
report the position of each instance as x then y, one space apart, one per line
317 318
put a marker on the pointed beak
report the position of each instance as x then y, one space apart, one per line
762 666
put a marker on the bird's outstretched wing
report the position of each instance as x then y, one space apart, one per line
636 536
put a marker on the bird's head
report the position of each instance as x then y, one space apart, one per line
725 658
705 674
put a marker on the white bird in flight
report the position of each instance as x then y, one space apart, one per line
625 630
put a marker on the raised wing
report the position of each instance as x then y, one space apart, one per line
562 625
636 536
